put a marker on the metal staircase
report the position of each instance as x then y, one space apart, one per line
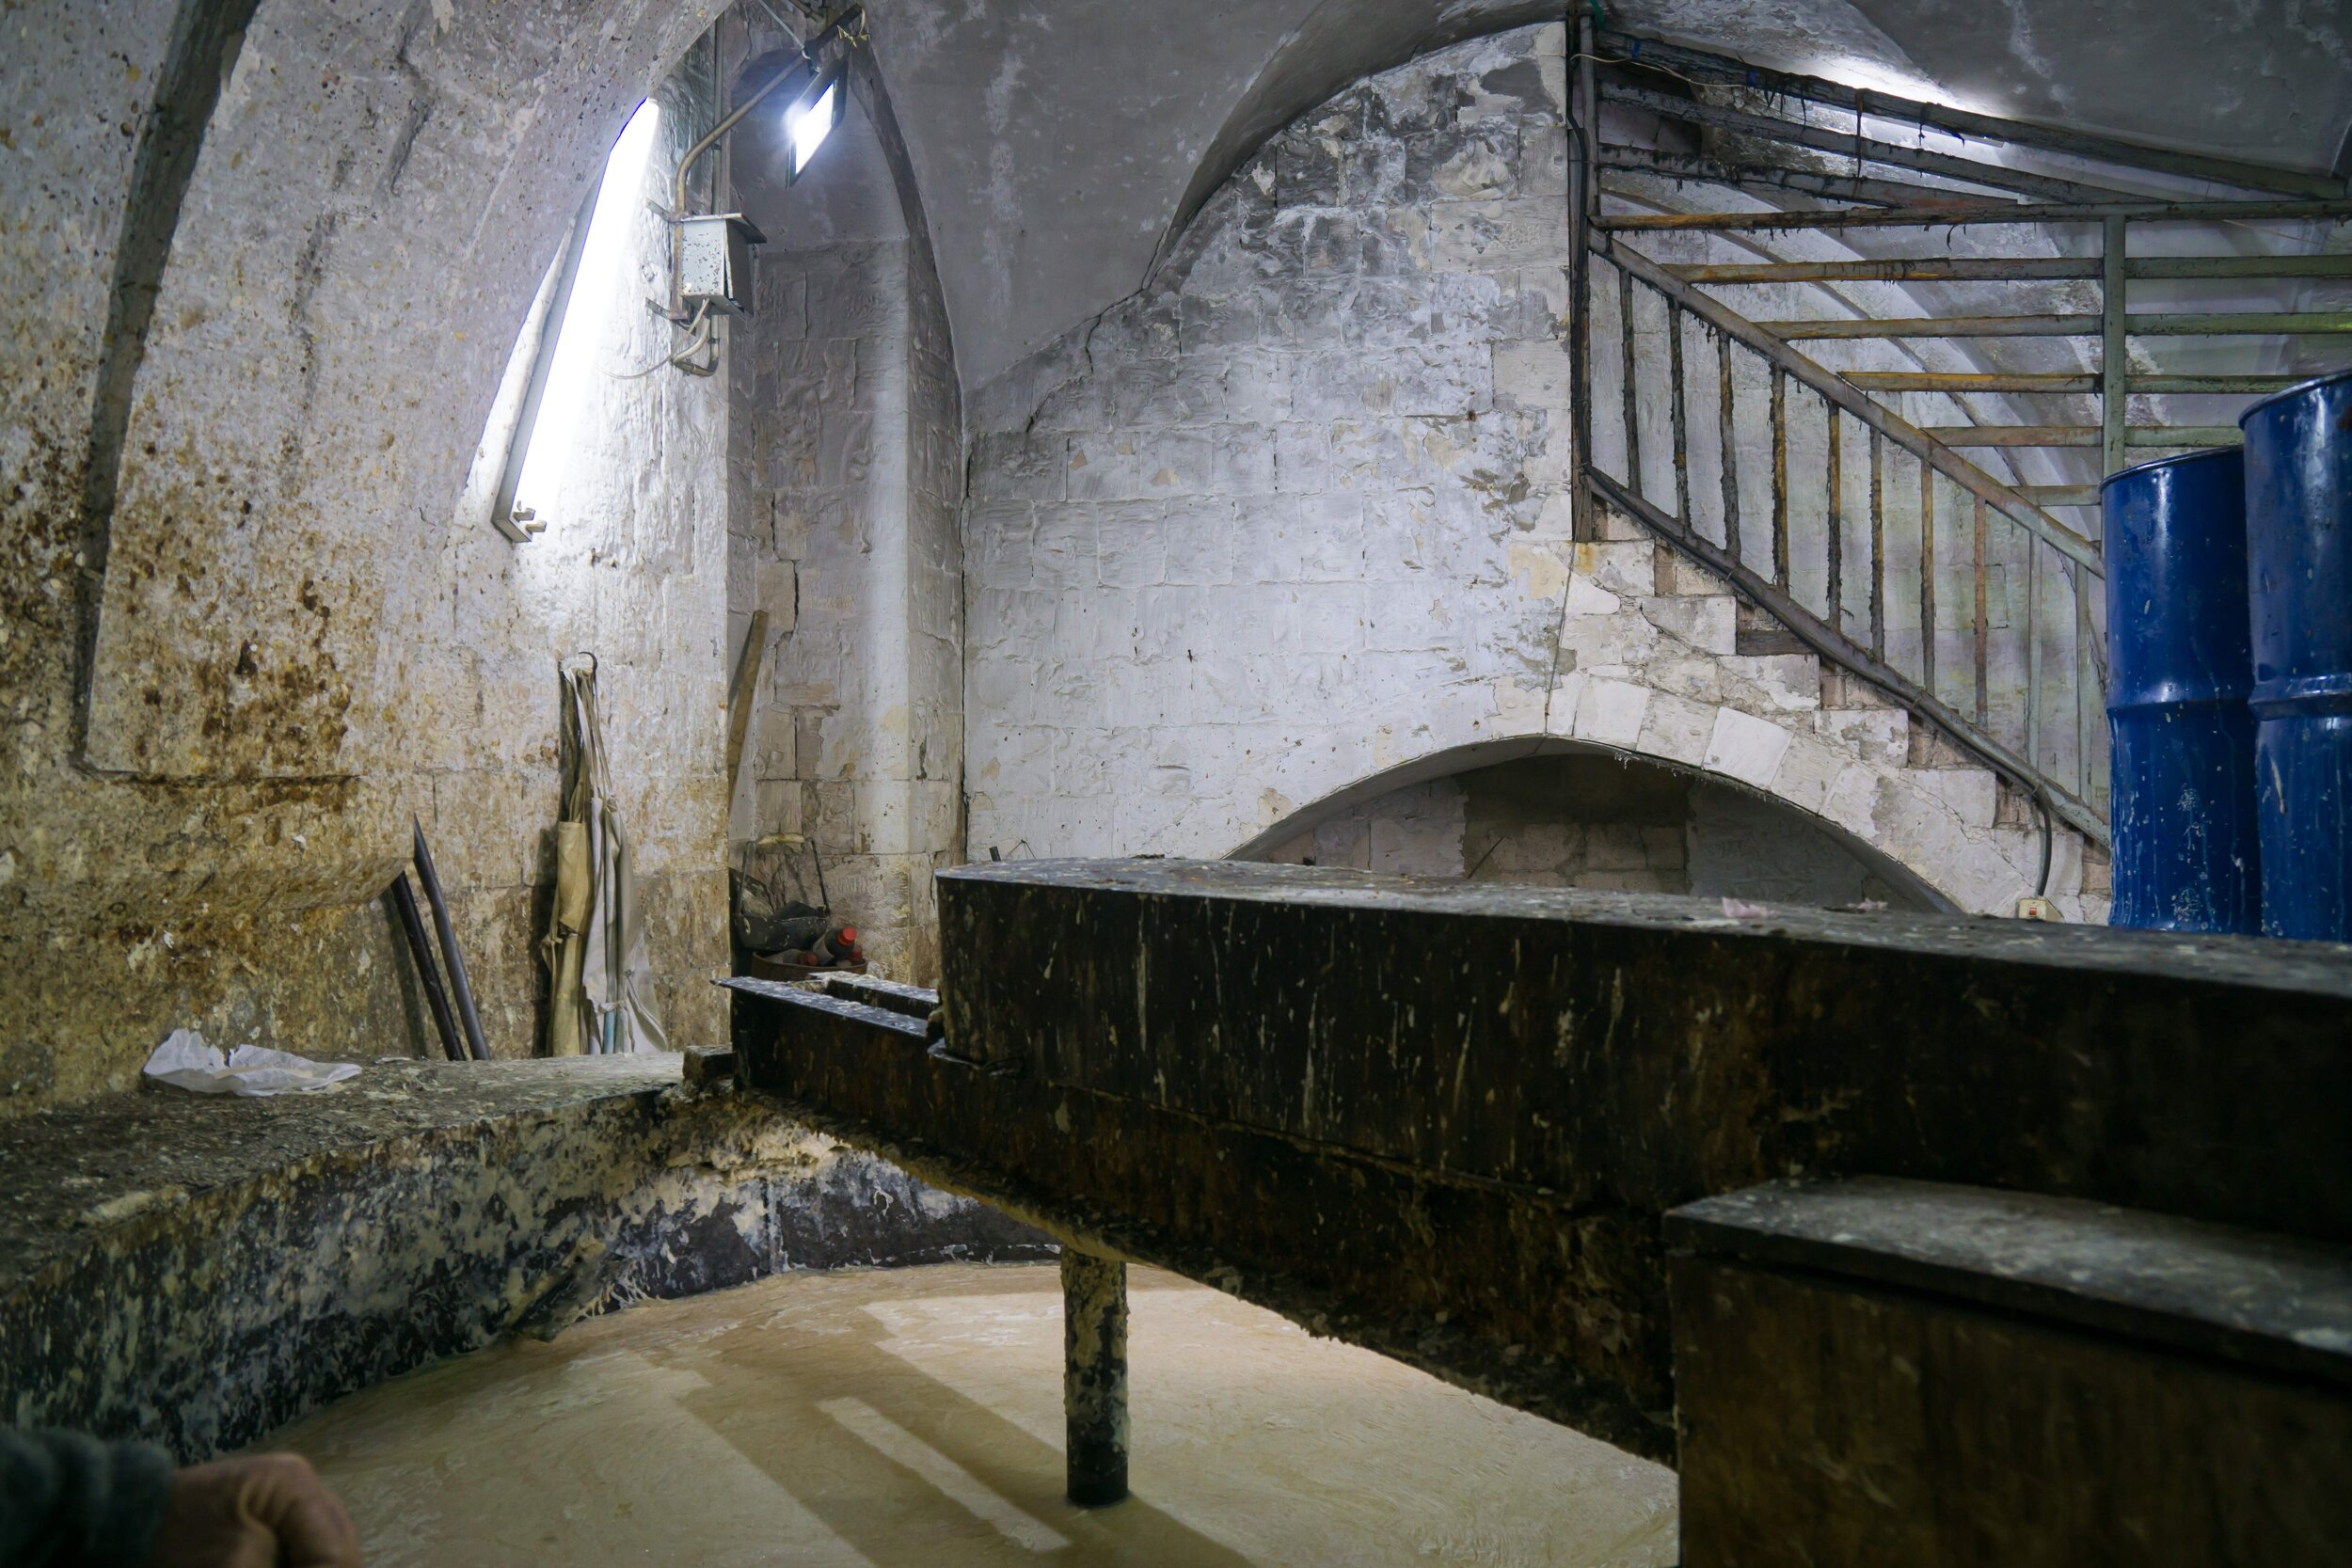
1812 457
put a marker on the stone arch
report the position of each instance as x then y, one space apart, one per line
1904 883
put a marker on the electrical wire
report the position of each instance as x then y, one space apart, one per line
699 326
789 31
1645 65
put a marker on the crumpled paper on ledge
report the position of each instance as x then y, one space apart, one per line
185 1061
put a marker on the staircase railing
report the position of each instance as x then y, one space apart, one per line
1802 577
1868 536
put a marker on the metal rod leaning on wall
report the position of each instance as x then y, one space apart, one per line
405 900
461 989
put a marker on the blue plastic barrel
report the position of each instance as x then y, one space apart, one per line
2298 534
2178 673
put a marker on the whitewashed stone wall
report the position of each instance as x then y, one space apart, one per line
633 567
849 471
1296 514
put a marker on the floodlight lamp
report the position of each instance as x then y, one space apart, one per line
807 124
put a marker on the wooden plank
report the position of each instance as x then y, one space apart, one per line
741 692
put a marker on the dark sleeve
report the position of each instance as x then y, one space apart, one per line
68 1501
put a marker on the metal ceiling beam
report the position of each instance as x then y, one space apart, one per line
1968 381
2082 434
1991 212
1846 143
1750 176
2166 325
1719 70
2015 269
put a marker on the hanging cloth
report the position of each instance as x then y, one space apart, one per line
596 942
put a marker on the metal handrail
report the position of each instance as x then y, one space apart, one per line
1914 186
1841 393
1826 634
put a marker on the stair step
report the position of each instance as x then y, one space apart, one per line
1759 635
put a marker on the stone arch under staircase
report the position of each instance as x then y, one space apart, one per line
1947 282
1305 509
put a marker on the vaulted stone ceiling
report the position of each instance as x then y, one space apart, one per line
1057 143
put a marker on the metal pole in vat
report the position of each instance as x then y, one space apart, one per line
2299 537
1094 1375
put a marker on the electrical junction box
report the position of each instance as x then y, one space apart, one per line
715 262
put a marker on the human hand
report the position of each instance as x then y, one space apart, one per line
262 1511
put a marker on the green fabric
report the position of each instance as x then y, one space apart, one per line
68 1501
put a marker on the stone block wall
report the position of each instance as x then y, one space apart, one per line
1296 514
848 464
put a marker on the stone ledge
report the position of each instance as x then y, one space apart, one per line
199 1271
2280 1303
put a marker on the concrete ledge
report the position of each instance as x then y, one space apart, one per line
1879 1371
199 1271
2278 1303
